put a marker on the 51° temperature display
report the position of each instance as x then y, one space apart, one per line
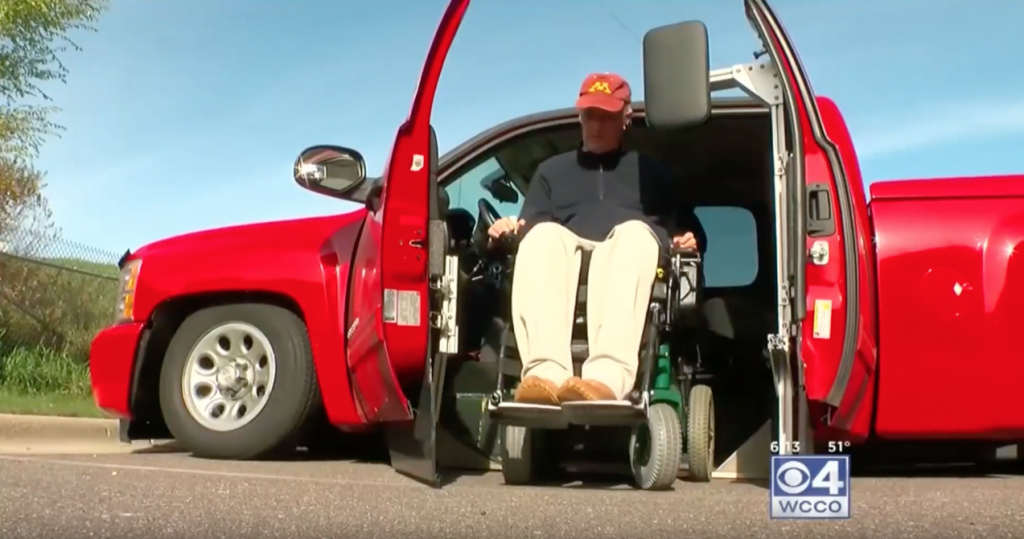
838 447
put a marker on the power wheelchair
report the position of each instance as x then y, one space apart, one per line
669 408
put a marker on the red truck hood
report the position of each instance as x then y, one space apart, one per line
269 236
278 257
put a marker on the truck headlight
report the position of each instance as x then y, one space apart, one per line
126 291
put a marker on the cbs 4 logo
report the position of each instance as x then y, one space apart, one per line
794 478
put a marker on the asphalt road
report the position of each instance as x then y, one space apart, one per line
175 496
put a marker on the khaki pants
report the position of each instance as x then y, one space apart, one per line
544 288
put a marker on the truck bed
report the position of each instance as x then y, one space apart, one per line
964 187
950 281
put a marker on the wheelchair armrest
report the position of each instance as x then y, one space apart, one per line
682 253
685 253
686 281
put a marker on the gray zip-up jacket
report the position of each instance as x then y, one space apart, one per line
591 193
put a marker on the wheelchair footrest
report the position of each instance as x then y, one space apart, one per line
604 413
535 416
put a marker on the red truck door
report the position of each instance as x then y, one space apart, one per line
836 355
388 308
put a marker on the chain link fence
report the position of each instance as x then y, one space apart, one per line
55 294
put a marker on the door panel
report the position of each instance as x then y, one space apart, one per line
388 311
836 348
856 408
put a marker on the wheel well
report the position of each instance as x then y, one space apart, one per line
148 422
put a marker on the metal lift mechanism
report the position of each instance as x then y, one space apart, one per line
761 81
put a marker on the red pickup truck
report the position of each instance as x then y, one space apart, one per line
822 317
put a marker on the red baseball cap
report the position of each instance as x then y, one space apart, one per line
606 91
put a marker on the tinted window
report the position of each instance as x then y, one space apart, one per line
731 258
466 191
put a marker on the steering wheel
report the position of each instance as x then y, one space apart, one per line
488 214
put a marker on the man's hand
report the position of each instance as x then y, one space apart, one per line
505 225
685 241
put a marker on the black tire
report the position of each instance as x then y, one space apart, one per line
522 451
656 466
700 437
290 402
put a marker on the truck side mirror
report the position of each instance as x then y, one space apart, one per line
330 170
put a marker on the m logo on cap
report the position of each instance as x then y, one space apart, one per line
606 91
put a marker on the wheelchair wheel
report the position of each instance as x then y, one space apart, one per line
522 455
700 436
656 449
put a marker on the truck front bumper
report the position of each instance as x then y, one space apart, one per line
111 366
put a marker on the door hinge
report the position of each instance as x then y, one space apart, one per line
781 164
445 321
777 341
785 294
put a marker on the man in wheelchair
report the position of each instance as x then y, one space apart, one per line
615 213
620 209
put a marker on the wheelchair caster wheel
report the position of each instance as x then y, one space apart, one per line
656 448
522 455
700 437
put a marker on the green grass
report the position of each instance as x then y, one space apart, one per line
63 405
40 381
37 371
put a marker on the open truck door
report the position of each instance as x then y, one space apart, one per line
830 374
822 364
391 323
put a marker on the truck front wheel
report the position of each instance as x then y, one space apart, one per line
237 382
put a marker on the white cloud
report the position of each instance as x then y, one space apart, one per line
941 124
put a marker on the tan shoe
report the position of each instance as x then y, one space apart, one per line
576 389
536 390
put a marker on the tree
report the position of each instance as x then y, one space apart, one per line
33 35
22 205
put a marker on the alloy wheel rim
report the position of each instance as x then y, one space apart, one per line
228 376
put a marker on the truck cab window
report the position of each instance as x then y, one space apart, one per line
466 190
731 259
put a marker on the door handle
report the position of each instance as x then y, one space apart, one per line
820 218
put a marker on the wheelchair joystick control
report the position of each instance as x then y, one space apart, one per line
510 240
508 244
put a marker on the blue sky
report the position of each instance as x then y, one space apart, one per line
187 114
